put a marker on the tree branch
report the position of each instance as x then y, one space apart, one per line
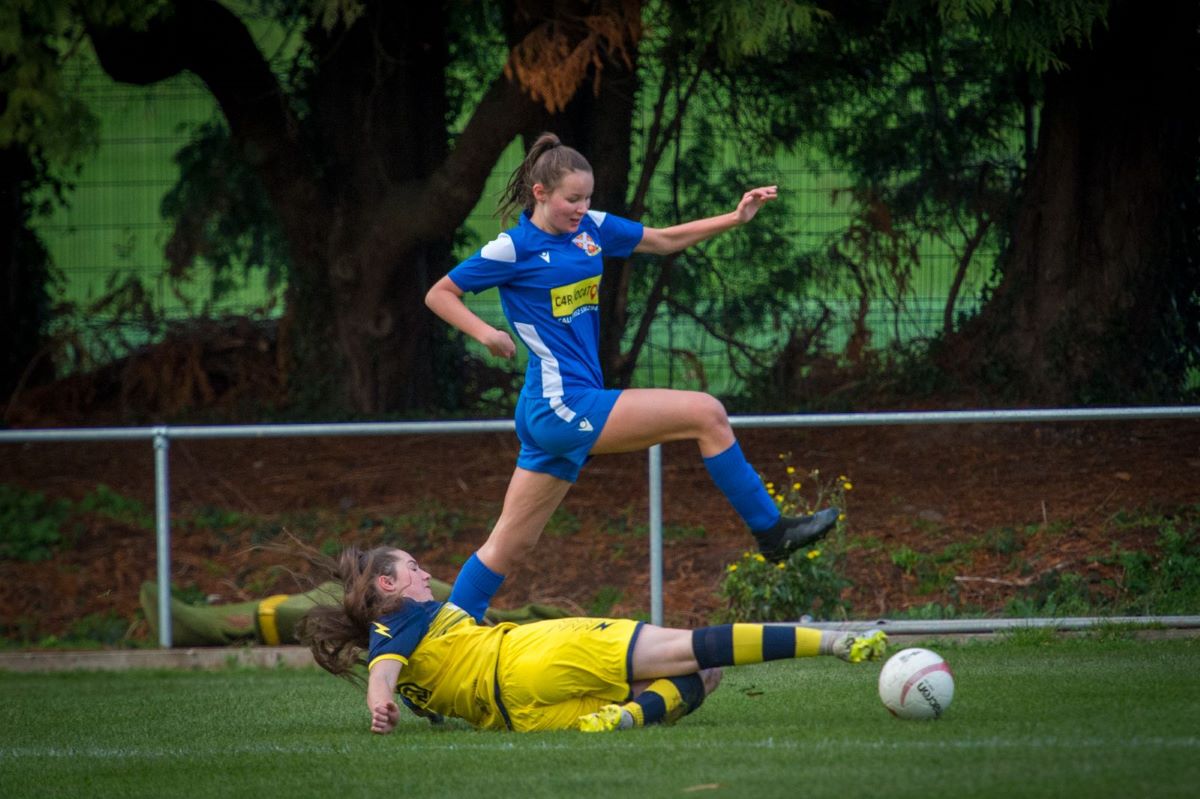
204 38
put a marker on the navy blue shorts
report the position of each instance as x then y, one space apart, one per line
558 433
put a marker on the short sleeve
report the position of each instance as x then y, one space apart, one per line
618 235
491 266
397 635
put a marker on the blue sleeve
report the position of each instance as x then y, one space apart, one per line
399 633
491 266
618 235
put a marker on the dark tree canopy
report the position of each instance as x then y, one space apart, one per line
348 171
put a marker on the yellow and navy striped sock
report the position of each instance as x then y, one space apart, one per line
740 644
667 700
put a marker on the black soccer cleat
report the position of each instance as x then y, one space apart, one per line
795 532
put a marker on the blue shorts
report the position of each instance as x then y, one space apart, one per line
557 433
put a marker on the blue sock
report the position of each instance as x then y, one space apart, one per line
742 486
475 586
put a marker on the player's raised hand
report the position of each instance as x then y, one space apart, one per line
753 200
384 717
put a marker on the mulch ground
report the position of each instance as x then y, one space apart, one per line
1056 488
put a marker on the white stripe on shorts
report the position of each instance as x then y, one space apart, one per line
562 409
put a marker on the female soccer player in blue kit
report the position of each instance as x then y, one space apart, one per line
548 271
593 675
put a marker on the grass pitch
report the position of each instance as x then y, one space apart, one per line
1037 717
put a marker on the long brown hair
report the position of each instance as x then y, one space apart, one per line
547 161
339 635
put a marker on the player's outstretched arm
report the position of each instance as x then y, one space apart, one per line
663 241
381 701
445 300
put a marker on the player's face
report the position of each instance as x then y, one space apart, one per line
411 580
560 210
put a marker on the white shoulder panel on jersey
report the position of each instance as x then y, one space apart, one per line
597 217
500 248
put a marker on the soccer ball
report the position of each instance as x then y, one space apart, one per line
916 684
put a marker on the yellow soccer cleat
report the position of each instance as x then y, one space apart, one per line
856 647
609 718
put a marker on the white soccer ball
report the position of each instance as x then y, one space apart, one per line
916 684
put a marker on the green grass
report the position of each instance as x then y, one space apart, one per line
1032 717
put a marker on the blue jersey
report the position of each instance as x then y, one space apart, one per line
550 292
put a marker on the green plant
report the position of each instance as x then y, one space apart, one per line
807 583
104 501
789 494
676 532
906 558
1167 582
562 523
30 524
1056 594
104 629
602 604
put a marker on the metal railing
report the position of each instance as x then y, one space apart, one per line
161 437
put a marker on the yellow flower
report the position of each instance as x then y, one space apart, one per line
795 486
841 517
781 566
846 486
760 558
813 554
770 486
731 567
791 470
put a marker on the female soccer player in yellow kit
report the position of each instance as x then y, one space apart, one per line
593 675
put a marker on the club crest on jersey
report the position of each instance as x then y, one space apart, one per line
584 242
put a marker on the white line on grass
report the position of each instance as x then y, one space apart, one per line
633 742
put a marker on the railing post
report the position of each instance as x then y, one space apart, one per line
162 526
656 536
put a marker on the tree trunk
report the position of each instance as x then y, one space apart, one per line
600 125
369 200
1079 313
24 262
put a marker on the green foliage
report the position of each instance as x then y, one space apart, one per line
1161 582
104 501
742 28
562 523
220 210
30 524
809 582
1166 582
99 629
806 584
1029 34
602 603
933 611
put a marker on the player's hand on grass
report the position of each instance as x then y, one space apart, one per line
384 717
500 343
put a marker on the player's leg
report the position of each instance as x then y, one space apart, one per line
674 659
662 701
643 417
529 502
666 651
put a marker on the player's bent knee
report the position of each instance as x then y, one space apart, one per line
709 413
711 679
